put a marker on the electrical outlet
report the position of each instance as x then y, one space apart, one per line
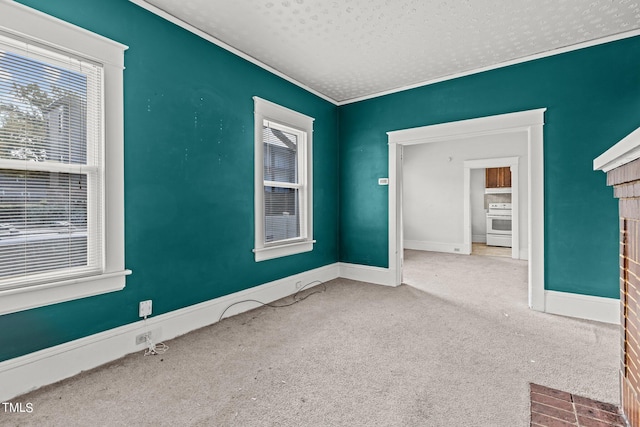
145 308
456 249
154 335
142 338
298 285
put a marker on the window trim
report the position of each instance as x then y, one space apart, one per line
22 22
266 110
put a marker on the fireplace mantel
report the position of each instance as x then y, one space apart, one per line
625 151
622 165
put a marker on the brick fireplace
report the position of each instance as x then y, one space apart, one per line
622 165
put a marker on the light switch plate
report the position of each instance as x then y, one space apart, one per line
383 181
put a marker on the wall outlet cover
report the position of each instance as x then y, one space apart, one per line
145 308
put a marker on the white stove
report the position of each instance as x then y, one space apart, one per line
499 224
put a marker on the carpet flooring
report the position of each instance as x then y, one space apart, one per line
455 346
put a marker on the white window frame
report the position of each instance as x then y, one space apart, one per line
268 111
35 27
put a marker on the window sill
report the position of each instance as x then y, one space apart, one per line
270 252
19 299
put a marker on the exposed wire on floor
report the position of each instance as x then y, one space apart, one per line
153 349
295 298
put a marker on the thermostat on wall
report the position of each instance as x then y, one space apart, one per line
383 181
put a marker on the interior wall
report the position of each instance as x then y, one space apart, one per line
433 188
478 209
589 94
189 188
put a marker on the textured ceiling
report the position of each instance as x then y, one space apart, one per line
352 49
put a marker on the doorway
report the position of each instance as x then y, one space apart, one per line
512 163
531 122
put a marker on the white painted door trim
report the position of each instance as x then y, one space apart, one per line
512 162
532 122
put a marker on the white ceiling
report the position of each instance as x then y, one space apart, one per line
347 50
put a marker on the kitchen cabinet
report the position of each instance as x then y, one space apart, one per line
498 177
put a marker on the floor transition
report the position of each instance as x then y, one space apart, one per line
484 250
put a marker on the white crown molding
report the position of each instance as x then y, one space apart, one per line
553 52
171 18
208 37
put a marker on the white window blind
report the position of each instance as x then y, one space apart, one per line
283 189
51 164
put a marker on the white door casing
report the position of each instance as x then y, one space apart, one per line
531 122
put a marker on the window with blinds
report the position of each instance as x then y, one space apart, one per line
282 187
283 181
51 184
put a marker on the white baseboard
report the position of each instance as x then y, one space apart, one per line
421 245
583 306
479 238
365 273
25 373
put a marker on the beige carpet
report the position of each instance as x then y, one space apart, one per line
457 348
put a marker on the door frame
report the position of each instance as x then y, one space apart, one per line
531 122
512 163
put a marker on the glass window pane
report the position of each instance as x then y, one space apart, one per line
43 111
280 155
282 214
43 221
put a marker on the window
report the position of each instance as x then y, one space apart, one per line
61 231
283 185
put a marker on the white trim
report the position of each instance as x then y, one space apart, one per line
530 121
395 246
278 251
40 28
512 162
31 371
583 306
478 238
177 21
302 125
449 131
32 24
25 373
424 245
369 274
24 298
208 37
553 52
504 190
625 151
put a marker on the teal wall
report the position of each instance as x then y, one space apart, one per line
592 98
189 167
188 176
